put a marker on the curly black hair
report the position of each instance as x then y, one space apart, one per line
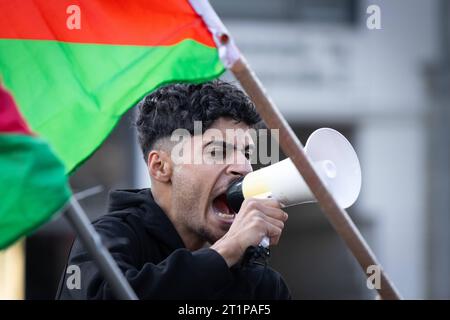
177 106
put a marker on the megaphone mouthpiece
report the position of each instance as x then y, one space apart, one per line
235 197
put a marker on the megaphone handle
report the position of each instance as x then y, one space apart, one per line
265 242
263 248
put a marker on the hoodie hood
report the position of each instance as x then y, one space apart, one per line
141 202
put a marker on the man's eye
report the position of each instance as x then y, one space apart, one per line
247 155
217 153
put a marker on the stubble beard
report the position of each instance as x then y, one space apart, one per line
190 215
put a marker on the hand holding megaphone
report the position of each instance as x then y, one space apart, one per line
334 160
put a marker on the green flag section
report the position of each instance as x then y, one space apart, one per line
75 67
33 184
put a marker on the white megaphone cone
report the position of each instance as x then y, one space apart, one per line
334 160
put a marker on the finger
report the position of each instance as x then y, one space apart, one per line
276 222
275 240
273 231
273 212
269 202
256 202
259 205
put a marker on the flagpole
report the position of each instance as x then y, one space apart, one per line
93 243
292 147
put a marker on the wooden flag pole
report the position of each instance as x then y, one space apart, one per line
293 148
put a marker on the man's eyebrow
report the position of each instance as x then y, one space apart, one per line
225 145
220 143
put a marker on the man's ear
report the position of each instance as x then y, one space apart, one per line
159 166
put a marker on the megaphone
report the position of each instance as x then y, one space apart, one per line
334 160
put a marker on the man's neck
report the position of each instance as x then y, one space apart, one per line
190 240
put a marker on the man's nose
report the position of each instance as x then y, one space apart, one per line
240 166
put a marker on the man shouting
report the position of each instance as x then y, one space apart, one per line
180 239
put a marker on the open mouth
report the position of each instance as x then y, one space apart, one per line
221 208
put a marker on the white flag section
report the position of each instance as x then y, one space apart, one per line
228 51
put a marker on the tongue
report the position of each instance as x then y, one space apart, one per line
220 203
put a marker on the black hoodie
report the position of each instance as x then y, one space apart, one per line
151 254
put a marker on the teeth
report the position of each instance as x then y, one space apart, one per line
225 215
